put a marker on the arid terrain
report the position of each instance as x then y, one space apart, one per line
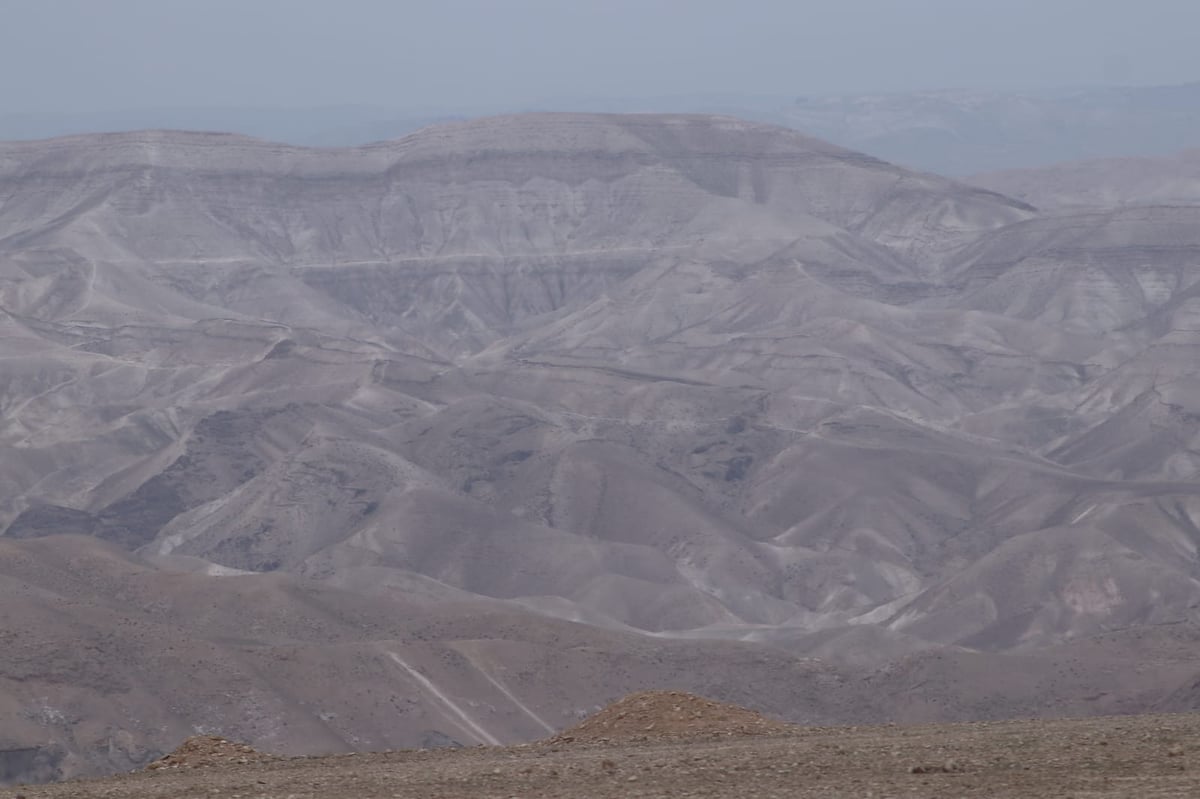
1104 182
954 132
456 439
699 749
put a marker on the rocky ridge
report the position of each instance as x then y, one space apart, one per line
669 715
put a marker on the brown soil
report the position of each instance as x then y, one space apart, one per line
670 715
1148 757
204 751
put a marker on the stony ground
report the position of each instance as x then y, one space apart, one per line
1143 757
657 716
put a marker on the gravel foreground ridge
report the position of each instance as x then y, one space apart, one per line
671 744
667 715
202 751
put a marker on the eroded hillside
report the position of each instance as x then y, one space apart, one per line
334 448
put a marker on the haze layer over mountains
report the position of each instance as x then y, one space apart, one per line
956 132
334 448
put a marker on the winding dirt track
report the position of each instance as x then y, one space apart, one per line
1147 757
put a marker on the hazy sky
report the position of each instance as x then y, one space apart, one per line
92 55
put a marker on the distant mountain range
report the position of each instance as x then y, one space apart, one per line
950 132
1103 182
455 437
962 132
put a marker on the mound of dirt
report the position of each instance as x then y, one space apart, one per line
201 751
665 715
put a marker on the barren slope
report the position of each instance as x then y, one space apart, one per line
727 394
1103 182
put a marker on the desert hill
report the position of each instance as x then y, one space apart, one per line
606 402
1103 182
